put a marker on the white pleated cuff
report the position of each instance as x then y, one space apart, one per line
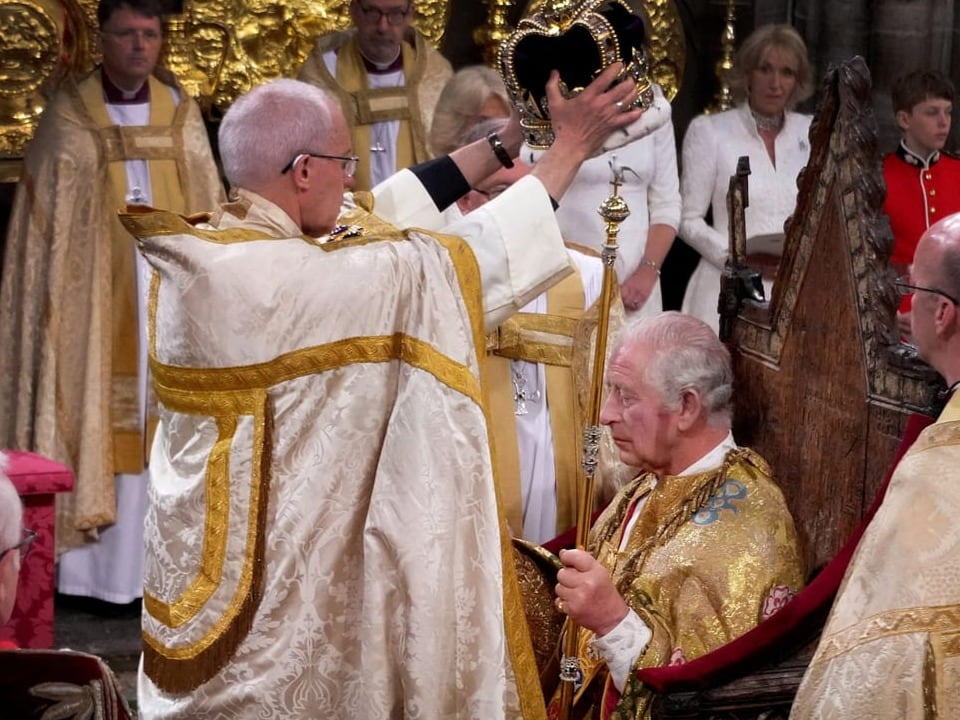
621 647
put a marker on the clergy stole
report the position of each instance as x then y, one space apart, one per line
546 338
376 105
160 143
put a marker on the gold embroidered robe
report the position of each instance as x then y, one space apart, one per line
710 556
425 73
323 535
68 319
891 646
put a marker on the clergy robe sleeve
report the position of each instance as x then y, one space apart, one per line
515 238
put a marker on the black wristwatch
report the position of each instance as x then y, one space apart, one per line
499 150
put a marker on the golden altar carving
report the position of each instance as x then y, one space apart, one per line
40 41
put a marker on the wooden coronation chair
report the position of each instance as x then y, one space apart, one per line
824 390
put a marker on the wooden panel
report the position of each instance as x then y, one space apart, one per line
823 384
807 414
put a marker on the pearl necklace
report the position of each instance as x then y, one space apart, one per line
766 123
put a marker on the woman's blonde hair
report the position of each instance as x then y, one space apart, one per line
458 108
750 53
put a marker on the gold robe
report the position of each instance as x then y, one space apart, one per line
425 72
711 555
891 646
323 535
68 320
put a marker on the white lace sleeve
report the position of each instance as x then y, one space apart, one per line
621 647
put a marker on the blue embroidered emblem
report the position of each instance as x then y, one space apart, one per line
723 499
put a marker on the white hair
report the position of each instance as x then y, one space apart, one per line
268 126
687 355
11 510
458 107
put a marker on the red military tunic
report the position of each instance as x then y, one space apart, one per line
919 193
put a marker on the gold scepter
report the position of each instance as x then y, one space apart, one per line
614 211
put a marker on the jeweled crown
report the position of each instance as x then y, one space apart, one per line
579 39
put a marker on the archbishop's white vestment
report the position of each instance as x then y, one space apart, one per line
323 537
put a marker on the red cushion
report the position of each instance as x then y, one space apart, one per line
34 474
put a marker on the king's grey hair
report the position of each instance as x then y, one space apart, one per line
687 355
267 127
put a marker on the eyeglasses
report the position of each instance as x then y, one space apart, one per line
23 546
905 288
372 15
128 35
494 192
350 162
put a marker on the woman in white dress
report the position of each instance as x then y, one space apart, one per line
771 75
651 189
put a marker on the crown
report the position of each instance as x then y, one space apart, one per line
579 39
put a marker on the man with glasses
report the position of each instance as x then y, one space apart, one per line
889 649
72 360
323 536
388 79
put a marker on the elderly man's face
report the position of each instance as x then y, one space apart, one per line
381 25
644 429
130 43
926 303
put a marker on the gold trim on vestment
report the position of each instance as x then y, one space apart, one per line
899 621
184 668
535 337
143 222
217 490
191 386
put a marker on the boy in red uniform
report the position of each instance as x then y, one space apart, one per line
923 181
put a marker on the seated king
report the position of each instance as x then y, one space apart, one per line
696 550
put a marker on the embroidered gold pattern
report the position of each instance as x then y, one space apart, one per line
893 622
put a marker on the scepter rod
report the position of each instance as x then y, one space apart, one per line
614 211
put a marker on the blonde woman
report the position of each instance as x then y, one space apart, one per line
771 75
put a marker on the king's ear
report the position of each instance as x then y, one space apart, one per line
691 409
